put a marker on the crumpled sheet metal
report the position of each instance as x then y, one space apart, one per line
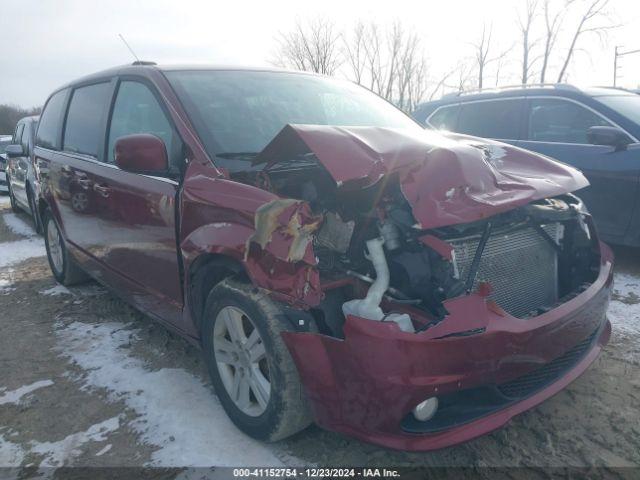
447 180
284 234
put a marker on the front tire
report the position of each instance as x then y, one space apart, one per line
37 223
62 265
14 204
252 371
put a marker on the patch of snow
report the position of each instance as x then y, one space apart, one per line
11 454
176 411
14 396
6 286
57 290
4 200
18 225
21 250
624 309
57 454
103 451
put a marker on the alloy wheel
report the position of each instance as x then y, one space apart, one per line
242 361
79 201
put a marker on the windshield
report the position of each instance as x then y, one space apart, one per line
237 113
626 105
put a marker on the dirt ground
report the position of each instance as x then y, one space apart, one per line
87 381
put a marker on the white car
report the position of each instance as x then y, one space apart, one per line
4 141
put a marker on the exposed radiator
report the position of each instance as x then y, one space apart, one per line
520 264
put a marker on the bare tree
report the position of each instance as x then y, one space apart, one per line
390 62
525 22
552 22
355 52
594 12
482 49
311 46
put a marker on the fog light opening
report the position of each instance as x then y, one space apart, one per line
426 410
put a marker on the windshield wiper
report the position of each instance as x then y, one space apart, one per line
238 155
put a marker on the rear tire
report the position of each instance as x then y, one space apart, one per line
284 411
63 266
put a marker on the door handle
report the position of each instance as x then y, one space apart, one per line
84 182
102 190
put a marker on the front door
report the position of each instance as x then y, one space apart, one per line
137 213
558 128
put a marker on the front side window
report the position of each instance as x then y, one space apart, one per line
561 121
50 120
83 129
491 119
626 105
239 112
17 135
137 110
26 134
445 118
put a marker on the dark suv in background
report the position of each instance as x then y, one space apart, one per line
593 129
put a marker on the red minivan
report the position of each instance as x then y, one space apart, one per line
335 262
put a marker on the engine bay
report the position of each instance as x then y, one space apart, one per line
376 261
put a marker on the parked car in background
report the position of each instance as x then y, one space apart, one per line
23 184
593 129
335 261
4 141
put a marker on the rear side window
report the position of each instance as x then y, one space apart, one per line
491 119
444 118
17 135
83 129
26 133
561 121
50 121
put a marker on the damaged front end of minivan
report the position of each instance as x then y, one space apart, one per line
453 282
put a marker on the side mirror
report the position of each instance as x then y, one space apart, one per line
14 150
611 136
141 153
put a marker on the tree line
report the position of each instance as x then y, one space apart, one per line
10 114
393 62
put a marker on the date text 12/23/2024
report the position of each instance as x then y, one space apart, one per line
242 473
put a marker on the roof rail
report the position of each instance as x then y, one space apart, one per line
143 62
564 86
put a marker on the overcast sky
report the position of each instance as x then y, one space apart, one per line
46 43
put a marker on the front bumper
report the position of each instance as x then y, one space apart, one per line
367 384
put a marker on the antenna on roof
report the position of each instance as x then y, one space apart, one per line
130 49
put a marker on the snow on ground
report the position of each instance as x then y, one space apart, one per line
14 396
57 454
104 450
624 310
57 290
4 200
20 250
11 454
17 225
6 284
176 411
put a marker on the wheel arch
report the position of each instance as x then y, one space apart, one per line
205 272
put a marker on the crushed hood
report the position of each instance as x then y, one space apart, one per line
447 179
